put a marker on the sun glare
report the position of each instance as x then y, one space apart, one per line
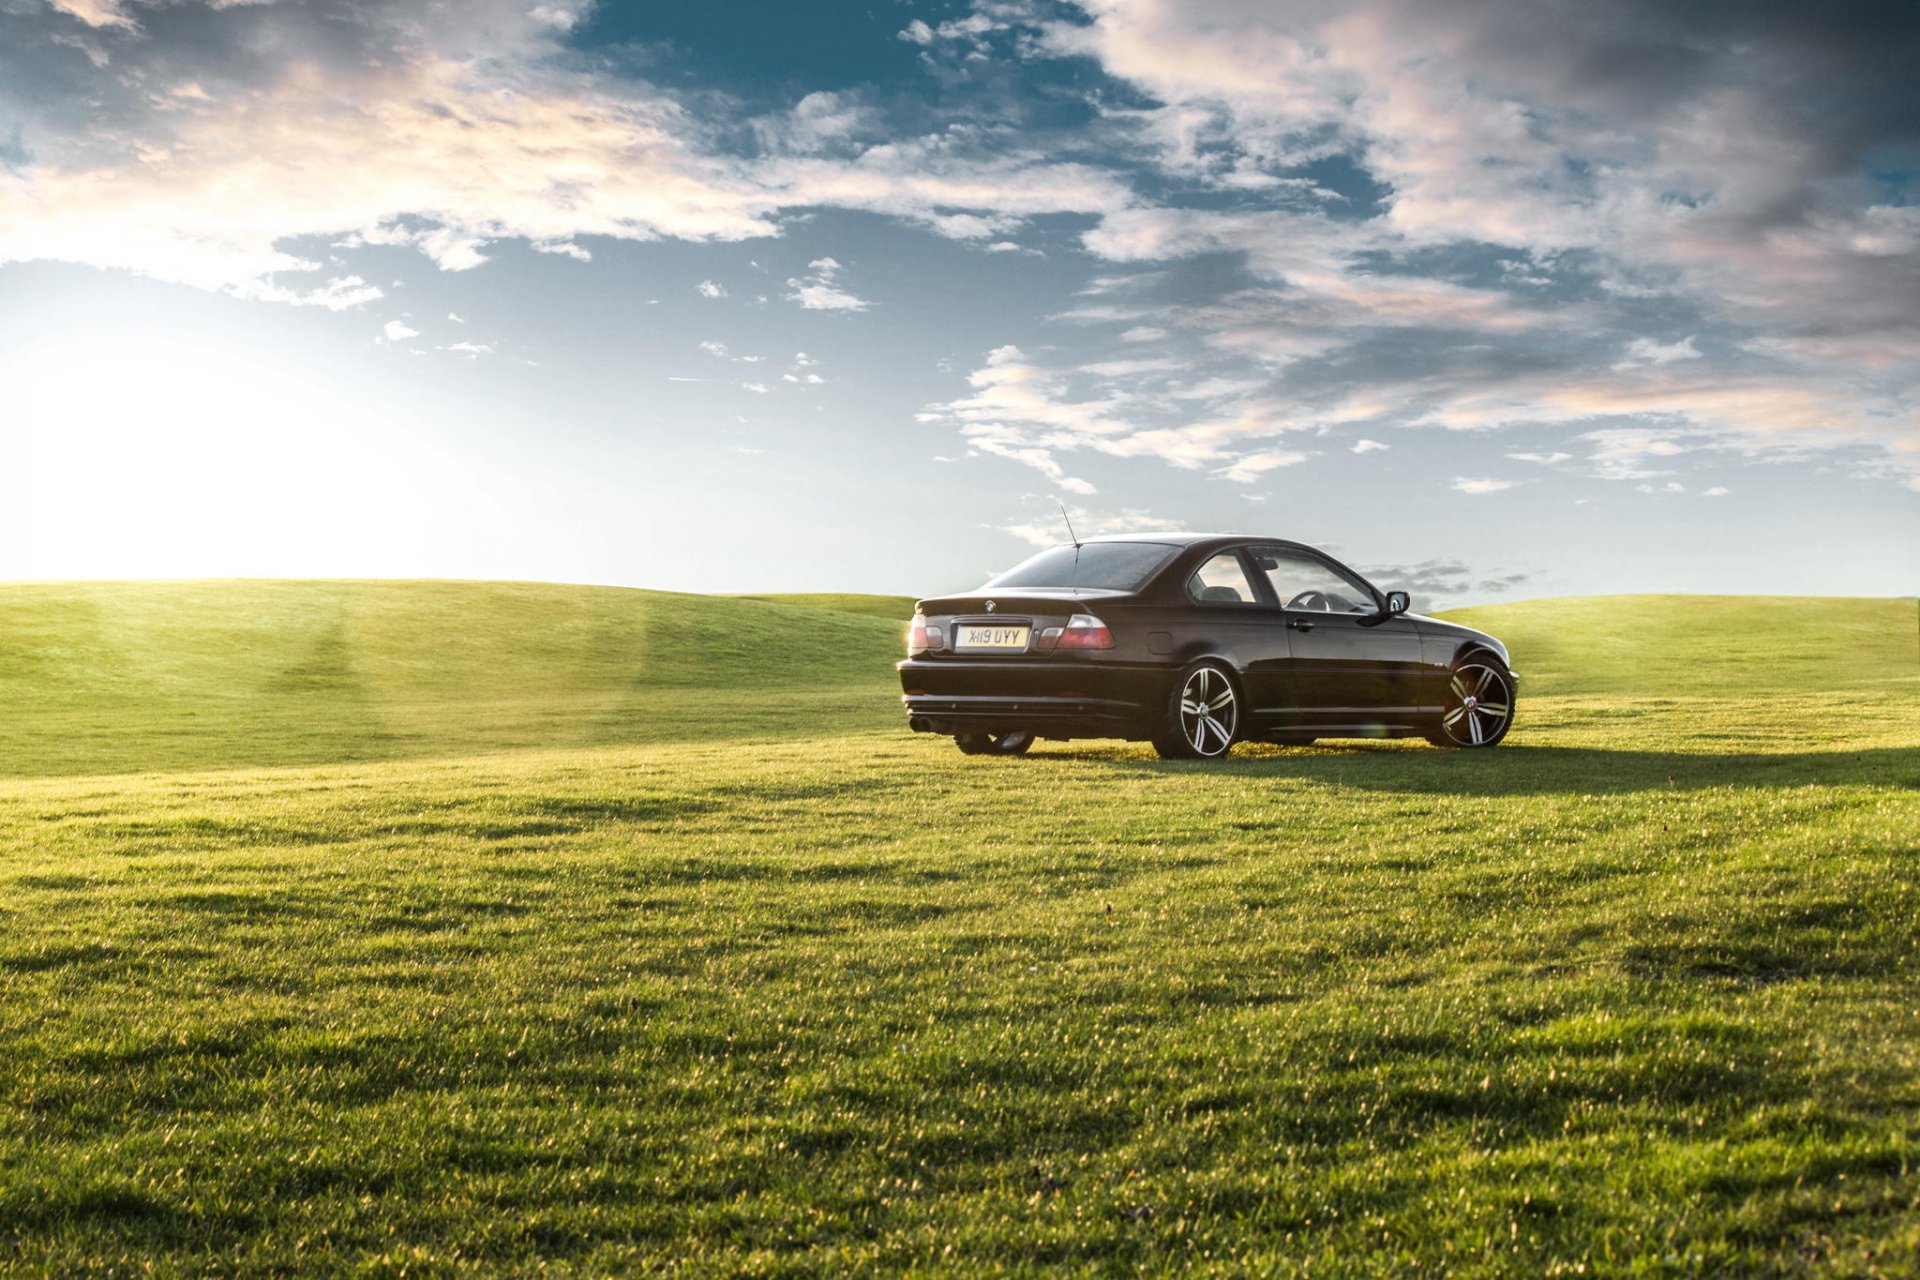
142 456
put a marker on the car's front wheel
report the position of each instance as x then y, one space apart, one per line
1202 718
1478 709
1012 743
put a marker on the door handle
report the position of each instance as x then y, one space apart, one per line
1299 624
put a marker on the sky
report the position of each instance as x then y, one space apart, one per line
1493 299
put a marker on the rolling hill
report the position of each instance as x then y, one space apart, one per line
895 609
112 677
107 677
1678 646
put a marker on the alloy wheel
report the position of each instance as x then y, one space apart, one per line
1209 712
1479 705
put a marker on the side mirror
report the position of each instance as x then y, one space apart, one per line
1398 602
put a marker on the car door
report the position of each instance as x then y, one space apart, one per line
1229 615
1350 668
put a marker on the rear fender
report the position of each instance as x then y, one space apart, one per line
1185 656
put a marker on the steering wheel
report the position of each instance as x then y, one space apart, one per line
1315 600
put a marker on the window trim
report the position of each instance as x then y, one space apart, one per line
1256 582
1338 570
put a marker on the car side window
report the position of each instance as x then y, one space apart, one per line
1221 580
1309 584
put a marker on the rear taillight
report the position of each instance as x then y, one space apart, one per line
921 637
1083 631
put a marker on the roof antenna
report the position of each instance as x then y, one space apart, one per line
1070 533
1073 583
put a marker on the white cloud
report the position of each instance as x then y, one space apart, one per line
708 289
338 294
1718 491
1623 453
1668 160
1248 469
95 13
449 248
566 248
1369 446
399 331
420 146
1467 484
758 388
820 292
720 351
444 129
456 318
469 349
818 122
558 16
1029 412
1050 530
974 226
982 21
1543 459
1647 351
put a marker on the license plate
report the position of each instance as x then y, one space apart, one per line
1010 639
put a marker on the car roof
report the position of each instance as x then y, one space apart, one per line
1207 542
1176 539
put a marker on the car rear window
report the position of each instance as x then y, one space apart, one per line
1106 566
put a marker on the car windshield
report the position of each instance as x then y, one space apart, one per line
1108 566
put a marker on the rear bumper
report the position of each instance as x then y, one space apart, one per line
1057 699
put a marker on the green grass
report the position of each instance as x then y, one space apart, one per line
1633 995
116 677
1716 646
895 609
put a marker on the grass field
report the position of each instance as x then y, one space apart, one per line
438 928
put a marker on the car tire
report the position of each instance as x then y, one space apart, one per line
1014 742
1203 715
1477 709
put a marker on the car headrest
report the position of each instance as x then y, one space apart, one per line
1220 595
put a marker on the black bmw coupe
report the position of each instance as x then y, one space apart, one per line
1196 642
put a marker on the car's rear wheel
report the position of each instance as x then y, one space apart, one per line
1478 709
1202 718
1014 742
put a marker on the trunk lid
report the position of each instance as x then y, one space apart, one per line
977 624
